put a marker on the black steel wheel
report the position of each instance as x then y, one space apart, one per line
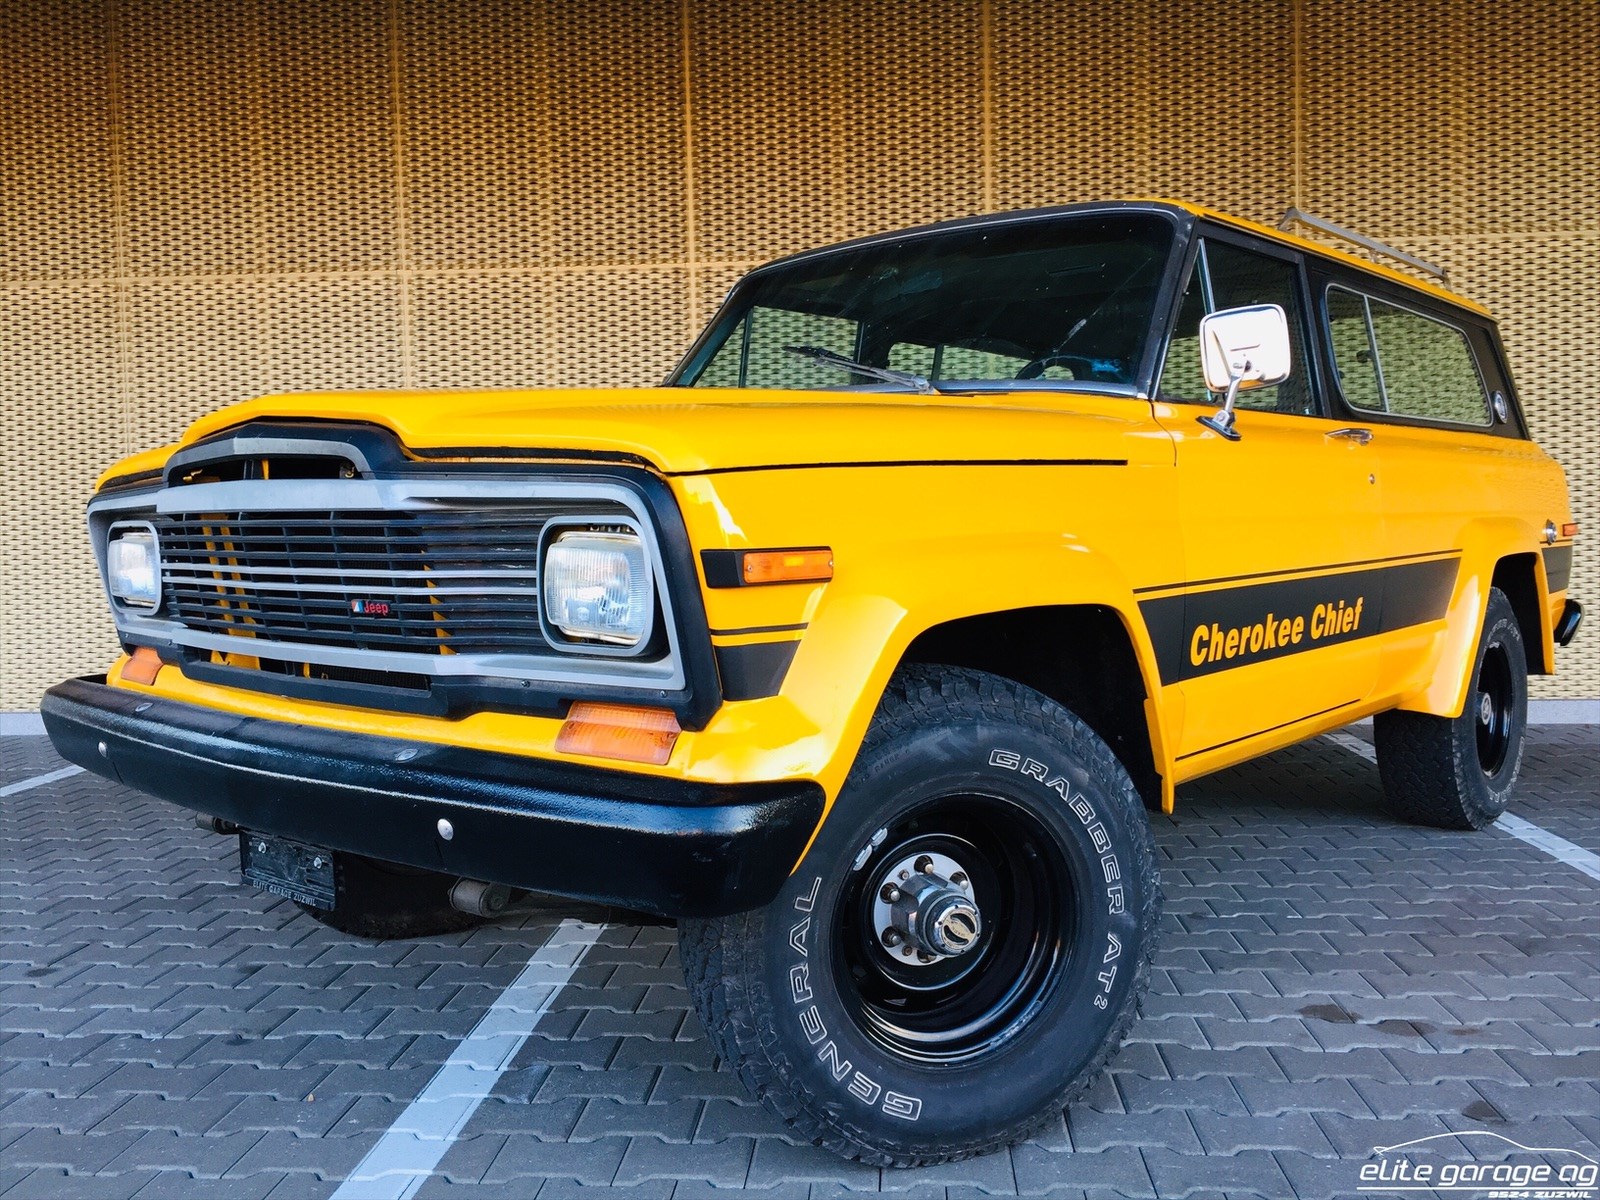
940 1008
963 947
1494 703
1458 772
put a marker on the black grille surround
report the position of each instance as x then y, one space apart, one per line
457 581
458 572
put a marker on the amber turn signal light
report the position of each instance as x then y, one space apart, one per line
788 566
1570 529
143 667
644 735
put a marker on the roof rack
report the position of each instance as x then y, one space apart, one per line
1372 245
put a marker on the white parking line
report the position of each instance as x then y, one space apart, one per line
406 1155
1537 836
1557 848
11 789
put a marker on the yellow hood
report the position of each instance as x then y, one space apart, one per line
684 431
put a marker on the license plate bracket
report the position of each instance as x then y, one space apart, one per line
289 869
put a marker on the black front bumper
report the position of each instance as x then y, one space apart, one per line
670 847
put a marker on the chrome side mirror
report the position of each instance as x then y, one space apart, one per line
1240 349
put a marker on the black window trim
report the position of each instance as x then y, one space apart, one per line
1208 231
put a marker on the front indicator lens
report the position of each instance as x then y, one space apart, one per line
133 570
597 587
644 735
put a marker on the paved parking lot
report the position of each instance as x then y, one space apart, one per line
1329 982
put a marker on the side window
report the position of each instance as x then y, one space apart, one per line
1181 376
1237 277
1355 354
1425 367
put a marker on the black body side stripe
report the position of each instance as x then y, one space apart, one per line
1325 567
911 462
1558 567
800 628
1200 633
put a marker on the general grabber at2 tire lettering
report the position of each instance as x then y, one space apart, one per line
966 942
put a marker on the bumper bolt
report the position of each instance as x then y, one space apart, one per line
104 752
446 830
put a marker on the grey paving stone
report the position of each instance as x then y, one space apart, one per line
1090 1131
179 1185
527 1158
1331 980
1222 1135
725 1163
49 1183
606 1117
777 1161
1248 1173
1043 1172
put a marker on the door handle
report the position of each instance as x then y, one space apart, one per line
1353 433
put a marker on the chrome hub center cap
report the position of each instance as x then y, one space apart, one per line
1485 708
925 911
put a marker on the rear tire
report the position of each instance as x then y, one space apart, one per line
902 1058
382 901
1458 772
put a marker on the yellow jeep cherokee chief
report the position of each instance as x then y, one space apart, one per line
860 646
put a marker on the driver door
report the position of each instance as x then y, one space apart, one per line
1270 626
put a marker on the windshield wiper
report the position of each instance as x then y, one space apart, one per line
828 358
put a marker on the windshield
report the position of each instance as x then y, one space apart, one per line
1066 299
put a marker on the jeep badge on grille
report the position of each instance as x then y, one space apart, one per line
372 608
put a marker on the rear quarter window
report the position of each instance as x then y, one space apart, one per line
1400 362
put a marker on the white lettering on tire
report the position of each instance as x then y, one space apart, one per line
861 1086
1110 867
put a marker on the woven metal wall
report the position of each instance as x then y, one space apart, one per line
202 201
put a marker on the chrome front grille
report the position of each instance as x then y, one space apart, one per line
451 580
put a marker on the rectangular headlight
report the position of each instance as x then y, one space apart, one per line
597 587
133 567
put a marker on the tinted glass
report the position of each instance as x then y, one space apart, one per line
1355 356
1391 359
1065 299
1238 277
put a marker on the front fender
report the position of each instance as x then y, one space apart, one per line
862 624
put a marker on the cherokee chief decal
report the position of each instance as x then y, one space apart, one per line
1199 632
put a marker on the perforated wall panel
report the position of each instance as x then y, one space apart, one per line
201 202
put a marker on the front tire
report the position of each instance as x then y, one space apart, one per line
1458 772
901 1037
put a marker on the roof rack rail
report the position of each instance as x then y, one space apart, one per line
1372 245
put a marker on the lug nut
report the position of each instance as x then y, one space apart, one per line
890 893
924 864
891 937
959 879
923 957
